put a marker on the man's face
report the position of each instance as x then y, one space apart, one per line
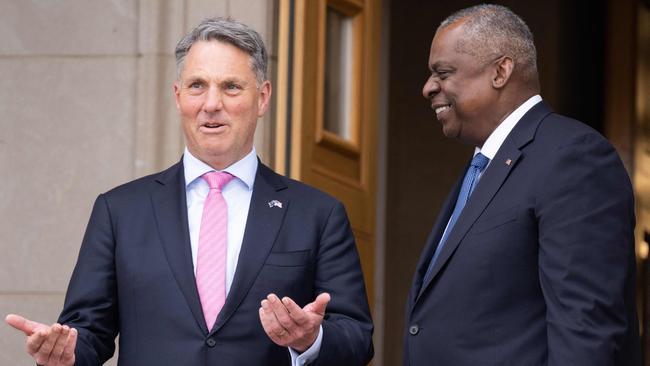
459 89
219 102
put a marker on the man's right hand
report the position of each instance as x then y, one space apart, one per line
49 345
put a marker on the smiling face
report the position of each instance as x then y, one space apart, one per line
460 88
219 102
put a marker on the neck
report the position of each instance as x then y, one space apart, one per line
507 103
219 162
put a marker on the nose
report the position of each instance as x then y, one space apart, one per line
431 88
213 100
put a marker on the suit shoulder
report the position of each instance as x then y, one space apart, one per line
295 188
563 140
311 192
561 130
567 142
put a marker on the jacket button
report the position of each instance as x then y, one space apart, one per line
211 342
414 329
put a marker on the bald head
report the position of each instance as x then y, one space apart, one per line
491 31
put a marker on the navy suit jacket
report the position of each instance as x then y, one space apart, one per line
134 276
539 269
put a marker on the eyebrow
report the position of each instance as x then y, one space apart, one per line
440 64
194 78
228 79
234 79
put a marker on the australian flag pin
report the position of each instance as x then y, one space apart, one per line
275 203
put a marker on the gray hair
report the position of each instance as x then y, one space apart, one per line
492 31
228 31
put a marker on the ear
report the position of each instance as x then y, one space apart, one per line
177 93
264 98
503 68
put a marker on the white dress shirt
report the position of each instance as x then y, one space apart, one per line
237 194
498 136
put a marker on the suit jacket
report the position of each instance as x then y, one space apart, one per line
134 276
539 269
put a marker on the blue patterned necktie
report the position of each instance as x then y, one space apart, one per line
478 164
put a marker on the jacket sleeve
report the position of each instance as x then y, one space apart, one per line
91 300
586 255
347 326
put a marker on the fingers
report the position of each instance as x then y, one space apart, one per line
35 341
59 346
319 305
298 315
289 325
271 325
277 318
281 313
51 339
53 345
46 344
43 353
25 325
68 357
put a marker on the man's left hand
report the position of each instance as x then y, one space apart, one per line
290 326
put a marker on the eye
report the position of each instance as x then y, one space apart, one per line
443 74
195 85
232 88
440 73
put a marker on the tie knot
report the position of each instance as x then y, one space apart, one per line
217 180
480 161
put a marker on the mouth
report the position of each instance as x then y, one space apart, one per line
212 126
441 109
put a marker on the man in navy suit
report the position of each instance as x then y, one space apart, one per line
531 260
295 290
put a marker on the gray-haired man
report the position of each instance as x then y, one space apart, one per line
216 260
531 260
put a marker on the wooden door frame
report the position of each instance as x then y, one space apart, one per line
297 108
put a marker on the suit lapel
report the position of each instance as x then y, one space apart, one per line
492 179
432 241
170 210
262 227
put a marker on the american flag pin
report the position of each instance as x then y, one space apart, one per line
508 162
275 203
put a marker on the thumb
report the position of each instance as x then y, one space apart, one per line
319 305
25 325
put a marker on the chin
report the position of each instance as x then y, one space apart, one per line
211 152
217 153
450 133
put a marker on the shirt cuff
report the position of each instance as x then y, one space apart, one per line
310 355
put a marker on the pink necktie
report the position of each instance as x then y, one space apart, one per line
213 244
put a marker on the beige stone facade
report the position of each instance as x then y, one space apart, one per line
85 104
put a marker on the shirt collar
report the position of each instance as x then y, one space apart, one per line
243 169
496 138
